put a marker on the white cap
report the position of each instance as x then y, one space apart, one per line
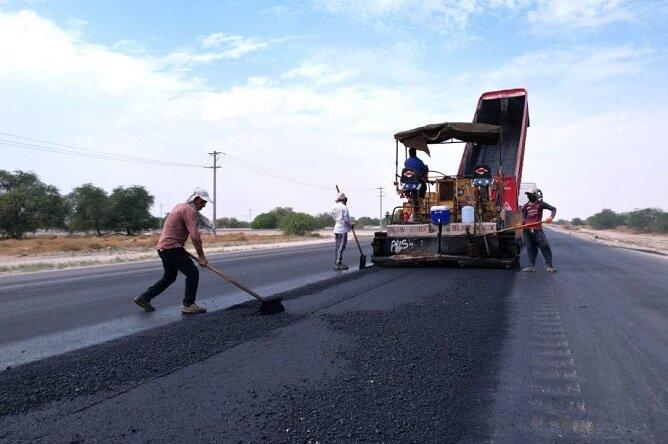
201 193
531 191
340 196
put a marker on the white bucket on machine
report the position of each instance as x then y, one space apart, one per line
468 214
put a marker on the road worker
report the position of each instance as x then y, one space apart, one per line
342 225
181 223
534 237
415 163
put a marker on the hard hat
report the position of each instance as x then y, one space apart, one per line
341 196
532 191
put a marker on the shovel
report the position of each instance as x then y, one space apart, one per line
267 305
362 256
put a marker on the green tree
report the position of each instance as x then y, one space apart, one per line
271 219
15 216
129 209
89 209
27 204
648 220
298 224
577 221
605 219
231 222
324 220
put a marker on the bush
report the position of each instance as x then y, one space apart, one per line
605 219
265 221
272 219
324 220
298 224
648 220
576 221
561 222
231 222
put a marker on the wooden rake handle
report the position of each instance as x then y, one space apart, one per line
230 280
517 227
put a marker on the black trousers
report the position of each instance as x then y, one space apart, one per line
173 261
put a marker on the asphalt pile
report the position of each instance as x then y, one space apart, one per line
421 372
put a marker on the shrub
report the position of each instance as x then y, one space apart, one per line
605 219
561 222
298 224
271 219
576 221
231 222
648 220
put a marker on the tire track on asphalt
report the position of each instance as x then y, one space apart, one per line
558 409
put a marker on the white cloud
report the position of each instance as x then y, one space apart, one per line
581 13
233 46
217 46
574 63
324 121
452 17
321 73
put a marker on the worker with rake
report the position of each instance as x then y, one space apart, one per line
534 237
183 221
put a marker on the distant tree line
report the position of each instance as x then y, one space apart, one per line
27 205
645 220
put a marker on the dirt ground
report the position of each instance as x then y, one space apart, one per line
653 243
58 251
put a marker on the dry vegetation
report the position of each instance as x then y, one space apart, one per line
44 245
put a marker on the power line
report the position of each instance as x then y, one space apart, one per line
73 150
280 176
85 152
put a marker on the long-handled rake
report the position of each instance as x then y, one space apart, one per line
267 305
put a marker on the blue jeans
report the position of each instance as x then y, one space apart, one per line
535 239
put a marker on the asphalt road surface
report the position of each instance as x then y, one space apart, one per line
423 355
48 313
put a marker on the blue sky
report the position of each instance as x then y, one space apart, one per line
314 89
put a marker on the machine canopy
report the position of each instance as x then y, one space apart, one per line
419 138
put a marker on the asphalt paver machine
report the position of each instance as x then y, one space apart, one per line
466 218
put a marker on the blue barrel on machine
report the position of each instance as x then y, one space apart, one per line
440 215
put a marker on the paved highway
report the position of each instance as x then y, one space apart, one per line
429 354
51 312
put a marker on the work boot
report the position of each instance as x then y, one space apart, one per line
192 309
143 303
340 267
529 269
551 269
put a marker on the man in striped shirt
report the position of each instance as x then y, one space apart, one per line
181 223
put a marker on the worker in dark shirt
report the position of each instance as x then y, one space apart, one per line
422 170
534 237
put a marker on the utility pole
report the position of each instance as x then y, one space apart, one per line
380 215
215 168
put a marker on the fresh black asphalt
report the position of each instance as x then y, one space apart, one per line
419 355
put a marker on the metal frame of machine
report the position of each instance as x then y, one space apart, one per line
488 179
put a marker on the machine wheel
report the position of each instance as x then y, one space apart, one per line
379 244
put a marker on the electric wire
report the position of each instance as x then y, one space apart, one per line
85 152
61 148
